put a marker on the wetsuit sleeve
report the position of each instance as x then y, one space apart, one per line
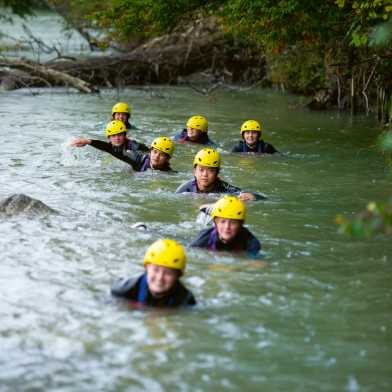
201 240
125 288
233 190
184 296
259 196
225 187
100 145
184 188
238 147
210 143
142 147
254 246
107 147
270 149
190 299
134 158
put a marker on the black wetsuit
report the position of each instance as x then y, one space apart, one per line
219 187
130 145
261 147
245 241
136 289
138 161
182 137
141 162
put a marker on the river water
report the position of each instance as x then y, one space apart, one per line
314 315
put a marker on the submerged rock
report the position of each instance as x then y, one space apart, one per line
21 204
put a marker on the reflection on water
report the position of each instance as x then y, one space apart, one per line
40 37
313 315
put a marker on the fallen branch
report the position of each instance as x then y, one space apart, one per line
52 76
204 91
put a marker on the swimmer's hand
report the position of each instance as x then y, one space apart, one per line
207 208
246 196
80 142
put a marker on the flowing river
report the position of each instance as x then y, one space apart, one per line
313 315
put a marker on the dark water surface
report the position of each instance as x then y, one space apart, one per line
315 317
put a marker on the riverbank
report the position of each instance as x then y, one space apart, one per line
206 50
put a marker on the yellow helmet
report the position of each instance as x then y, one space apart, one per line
163 144
114 128
198 122
121 107
207 157
250 125
229 207
167 253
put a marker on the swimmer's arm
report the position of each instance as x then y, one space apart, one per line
142 147
122 156
101 145
207 208
126 288
185 188
249 196
211 143
237 148
189 299
270 149
134 158
254 247
80 142
201 241
244 196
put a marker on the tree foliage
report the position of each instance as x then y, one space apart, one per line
377 217
126 19
302 41
363 17
275 25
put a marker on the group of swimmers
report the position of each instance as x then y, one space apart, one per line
165 260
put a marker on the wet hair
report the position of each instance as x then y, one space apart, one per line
163 152
217 169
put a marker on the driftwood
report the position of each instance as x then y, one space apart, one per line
45 73
167 59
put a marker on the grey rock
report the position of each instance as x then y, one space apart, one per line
21 204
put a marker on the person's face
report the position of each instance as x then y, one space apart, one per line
205 176
117 140
121 117
160 279
158 158
193 133
227 228
251 137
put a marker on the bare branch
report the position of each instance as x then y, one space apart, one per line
51 75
